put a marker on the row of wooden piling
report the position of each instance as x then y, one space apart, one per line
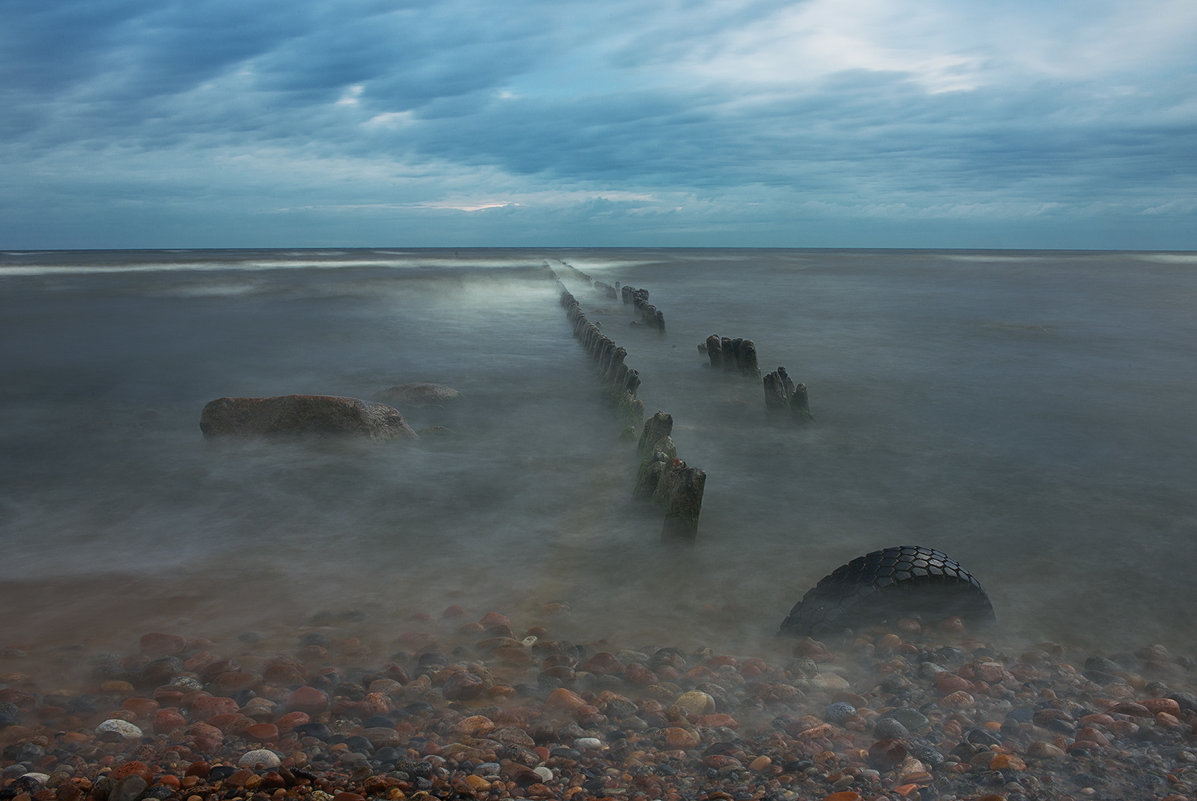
638 299
736 354
622 381
662 478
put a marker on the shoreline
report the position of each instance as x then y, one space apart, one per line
466 703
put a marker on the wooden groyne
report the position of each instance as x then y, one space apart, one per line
621 380
738 355
638 299
662 478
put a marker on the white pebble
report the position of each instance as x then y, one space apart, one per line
260 757
545 774
40 778
122 727
830 681
587 743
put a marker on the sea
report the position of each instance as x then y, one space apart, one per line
1033 414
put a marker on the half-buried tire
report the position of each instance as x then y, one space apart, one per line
883 586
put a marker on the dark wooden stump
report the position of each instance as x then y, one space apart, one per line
683 504
658 426
783 395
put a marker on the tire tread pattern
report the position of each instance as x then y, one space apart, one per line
881 586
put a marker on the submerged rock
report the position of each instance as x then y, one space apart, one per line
419 394
319 415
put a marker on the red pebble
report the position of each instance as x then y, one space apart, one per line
494 619
158 644
205 737
169 695
167 720
1091 735
1097 719
19 698
948 683
307 699
140 706
1131 708
291 720
638 675
603 663
231 681
229 722
127 769
206 706
753 667
262 731
1157 705
239 778
561 698
813 649
286 672
197 663
717 720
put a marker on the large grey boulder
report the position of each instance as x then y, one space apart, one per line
318 415
418 394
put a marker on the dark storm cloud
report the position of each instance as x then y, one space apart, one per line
679 113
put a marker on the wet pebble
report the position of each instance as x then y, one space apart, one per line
839 712
260 758
910 718
889 728
119 729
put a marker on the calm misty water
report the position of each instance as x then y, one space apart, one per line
1031 414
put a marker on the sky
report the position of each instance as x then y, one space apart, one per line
550 123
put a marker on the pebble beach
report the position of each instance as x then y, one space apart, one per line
479 704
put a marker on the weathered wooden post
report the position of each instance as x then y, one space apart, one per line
778 388
657 426
684 504
746 357
715 350
648 476
783 395
799 405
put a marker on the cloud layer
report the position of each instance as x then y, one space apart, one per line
938 123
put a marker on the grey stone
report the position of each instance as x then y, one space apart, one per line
912 719
123 728
418 394
129 788
890 729
260 757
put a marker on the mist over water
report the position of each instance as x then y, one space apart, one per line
1030 414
